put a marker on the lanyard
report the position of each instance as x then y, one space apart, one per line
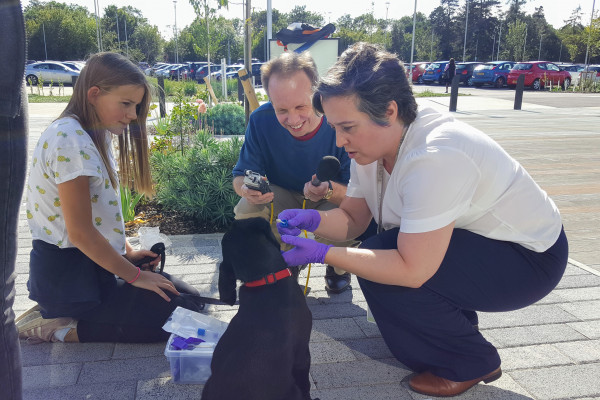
380 190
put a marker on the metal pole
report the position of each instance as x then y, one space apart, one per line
499 34
45 48
540 50
493 47
431 50
387 7
176 44
412 47
524 42
118 35
269 29
97 26
466 28
126 39
589 36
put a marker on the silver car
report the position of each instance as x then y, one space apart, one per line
49 71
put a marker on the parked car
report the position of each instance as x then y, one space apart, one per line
465 71
418 69
230 72
74 65
435 72
49 71
179 72
492 73
574 70
538 74
203 72
165 70
592 72
194 66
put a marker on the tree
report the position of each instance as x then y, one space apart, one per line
514 42
69 30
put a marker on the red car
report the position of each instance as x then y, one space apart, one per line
418 69
538 74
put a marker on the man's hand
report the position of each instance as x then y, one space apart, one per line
315 193
255 196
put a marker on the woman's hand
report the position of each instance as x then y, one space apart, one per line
155 282
306 251
134 256
294 219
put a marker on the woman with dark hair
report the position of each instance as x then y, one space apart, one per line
449 72
462 226
82 270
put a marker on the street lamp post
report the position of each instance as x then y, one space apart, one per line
176 45
45 48
412 47
387 7
466 27
590 35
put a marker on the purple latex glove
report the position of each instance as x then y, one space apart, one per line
306 251
294 219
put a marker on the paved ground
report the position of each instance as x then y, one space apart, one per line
550 350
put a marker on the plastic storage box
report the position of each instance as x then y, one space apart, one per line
192 365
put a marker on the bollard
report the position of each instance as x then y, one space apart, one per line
161 96
519 92
454 92
74 80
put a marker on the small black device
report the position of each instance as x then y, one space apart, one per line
157 248
255 181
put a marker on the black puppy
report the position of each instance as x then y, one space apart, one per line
263 354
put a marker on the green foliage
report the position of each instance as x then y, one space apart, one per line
198 183
227 119
190 88
128 202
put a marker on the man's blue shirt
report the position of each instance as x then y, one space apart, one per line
272 151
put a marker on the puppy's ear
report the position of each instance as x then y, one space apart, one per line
227 283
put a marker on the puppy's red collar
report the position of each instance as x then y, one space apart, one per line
271 278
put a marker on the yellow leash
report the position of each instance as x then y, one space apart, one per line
305 235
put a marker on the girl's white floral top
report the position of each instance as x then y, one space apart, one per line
64 152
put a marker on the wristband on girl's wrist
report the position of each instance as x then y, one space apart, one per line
137 276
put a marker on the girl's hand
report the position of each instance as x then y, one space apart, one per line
156 283
134 256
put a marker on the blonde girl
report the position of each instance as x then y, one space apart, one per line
82 272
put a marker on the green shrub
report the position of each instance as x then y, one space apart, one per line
190 88
198 182
226 119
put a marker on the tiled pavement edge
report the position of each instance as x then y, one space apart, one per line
550 350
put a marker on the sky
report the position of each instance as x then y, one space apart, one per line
162 13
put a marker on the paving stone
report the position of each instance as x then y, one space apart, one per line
582 351
587 310
578 294
572 281
45 376
394 391
330 351
590 329
358 373
532 357
338 329
532 315
564 382
138 350
103 391
125 370
530 335
370 329
369 348
343 310
165 388
64 353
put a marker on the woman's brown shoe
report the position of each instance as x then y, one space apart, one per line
431 385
